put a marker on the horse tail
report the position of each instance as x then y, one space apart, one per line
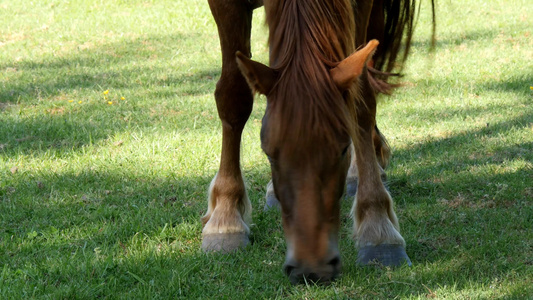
398 19
392 23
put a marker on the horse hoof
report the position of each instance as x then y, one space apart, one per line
351 188
272 202
384 254
224 242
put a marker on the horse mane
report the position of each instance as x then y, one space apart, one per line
306 39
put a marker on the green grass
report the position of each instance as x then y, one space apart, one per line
103 200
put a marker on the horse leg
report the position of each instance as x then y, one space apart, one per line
382 150
376 227
272 201
351 177
226 223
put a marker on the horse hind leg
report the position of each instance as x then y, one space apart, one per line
351 177
382 150
272 201
226 223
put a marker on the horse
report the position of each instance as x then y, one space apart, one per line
319 130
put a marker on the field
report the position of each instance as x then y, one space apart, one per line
109 137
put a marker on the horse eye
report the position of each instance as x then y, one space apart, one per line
345 150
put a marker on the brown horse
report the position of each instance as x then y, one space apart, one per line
320 119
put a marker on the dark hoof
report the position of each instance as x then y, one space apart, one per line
384 254
224 242
272 202
351 188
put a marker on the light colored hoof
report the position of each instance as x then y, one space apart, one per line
384 254
224 242
351 187
272 202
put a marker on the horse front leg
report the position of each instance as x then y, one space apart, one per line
226 223
376 227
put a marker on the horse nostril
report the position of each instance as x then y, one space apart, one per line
288 269
323 273
335 261
314 278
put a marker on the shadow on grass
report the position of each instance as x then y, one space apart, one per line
468 36
457 200
117 213
518 84
100 195
124 67
463 151
114 211
127 64
102 232
132 202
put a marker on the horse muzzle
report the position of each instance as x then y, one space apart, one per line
321 271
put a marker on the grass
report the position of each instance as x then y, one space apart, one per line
102 200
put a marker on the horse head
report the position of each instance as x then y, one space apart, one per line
306 134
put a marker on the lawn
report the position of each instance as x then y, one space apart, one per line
109 137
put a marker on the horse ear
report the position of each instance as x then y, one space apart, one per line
260 78
349 69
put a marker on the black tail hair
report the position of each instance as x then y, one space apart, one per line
395 35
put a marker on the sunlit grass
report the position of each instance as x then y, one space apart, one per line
109 137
